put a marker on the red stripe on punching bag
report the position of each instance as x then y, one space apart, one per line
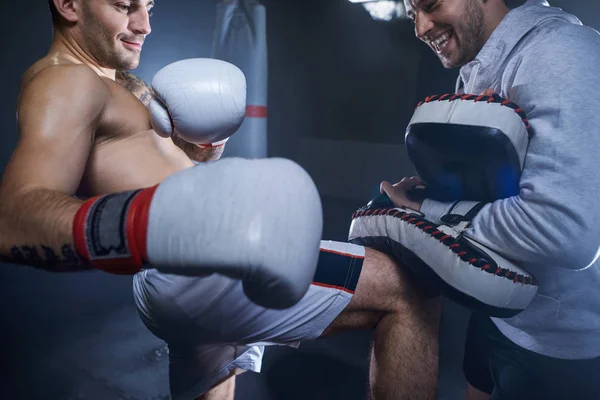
256 111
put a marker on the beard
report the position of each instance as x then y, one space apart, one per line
469 34
102 45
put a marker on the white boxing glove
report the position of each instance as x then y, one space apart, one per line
202 99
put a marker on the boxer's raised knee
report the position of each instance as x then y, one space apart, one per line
383 287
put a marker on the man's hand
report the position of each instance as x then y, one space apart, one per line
144 93
398 192
202 100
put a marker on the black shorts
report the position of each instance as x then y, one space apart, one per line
495 365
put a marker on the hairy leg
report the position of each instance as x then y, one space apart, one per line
404 354
224 390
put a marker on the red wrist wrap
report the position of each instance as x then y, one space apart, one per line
110 231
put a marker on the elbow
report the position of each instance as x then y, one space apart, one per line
7 223
576 239
573 248
3 221
578 247
580 256
4 233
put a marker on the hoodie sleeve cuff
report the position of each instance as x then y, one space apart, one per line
435 210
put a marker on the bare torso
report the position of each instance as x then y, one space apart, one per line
126 153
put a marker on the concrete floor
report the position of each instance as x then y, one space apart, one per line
79 337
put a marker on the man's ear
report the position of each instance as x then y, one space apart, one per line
68 9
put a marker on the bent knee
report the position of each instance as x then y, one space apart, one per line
223 390
386 286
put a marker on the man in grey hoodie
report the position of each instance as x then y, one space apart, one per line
546 61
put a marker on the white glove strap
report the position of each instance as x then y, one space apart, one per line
212 145
460 215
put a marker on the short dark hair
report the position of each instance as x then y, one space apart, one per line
54 12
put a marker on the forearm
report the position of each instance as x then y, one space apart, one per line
533 226
36 230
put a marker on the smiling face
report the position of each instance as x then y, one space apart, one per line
456 30
113 31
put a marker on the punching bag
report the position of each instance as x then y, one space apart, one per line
241 39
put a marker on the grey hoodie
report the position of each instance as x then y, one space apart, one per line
548 63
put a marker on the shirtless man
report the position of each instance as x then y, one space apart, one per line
84 132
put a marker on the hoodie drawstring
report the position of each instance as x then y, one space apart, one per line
468 81
472 79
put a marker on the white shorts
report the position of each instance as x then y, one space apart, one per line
213 330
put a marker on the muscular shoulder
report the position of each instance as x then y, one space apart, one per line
63 84
61 97
74 77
